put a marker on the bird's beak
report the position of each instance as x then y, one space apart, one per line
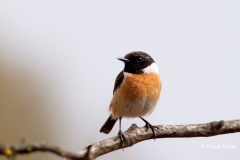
123 59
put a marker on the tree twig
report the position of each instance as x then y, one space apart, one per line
22 148
133 135
137 134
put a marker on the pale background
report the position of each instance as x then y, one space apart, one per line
58 65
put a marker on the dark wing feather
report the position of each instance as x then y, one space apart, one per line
108 125
118 81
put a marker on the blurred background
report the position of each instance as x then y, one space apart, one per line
58 66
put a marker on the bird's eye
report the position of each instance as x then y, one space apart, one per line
139 59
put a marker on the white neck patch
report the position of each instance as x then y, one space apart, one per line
152 68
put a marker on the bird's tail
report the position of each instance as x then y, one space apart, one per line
108 125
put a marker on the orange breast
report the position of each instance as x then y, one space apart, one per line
133 93
137 85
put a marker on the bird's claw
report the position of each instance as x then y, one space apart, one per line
122 138
148 125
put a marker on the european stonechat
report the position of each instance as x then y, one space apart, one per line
136 91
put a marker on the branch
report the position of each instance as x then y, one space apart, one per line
133 135
137 134
22 148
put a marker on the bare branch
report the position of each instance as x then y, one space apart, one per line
137 134
12 151
133 135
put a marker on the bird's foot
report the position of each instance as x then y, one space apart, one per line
148 125
122 138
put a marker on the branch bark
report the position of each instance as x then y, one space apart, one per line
137 134
133 135
12 151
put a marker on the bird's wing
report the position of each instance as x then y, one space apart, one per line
118 81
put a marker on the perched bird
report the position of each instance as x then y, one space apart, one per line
136 91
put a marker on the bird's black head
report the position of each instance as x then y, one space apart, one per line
136 61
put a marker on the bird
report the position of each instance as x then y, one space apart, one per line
136 92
